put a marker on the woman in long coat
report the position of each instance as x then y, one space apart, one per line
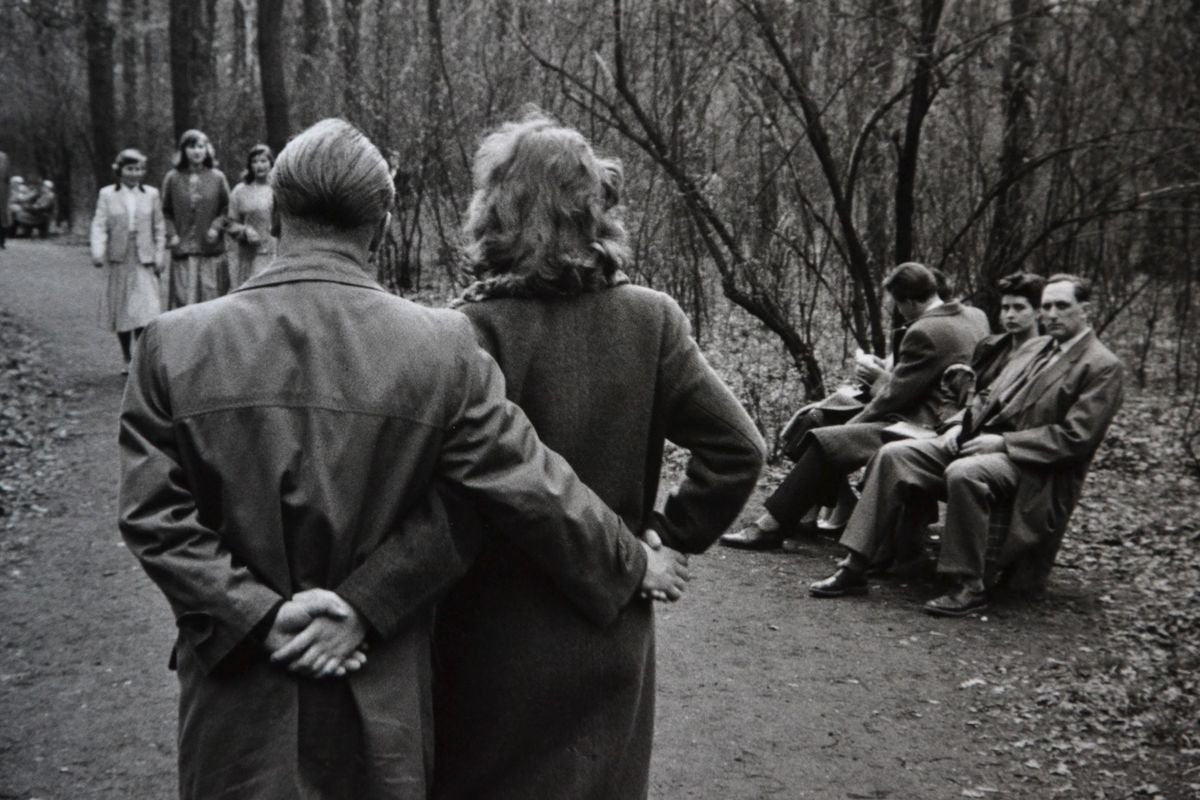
127 238
251 208
195 197
531 699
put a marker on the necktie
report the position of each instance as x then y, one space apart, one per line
1003 396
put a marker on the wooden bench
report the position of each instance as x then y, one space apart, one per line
916 536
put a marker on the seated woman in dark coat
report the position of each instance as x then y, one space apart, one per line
531 699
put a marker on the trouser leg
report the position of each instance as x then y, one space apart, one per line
809 482
896 471
973 486
829 454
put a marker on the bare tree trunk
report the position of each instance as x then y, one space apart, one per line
102 96
920 101
350 40
1006 232
271 70
314 42
130 118
238 29
841 194
193 69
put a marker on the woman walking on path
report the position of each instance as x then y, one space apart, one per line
195 197
128 236
251 207
531 699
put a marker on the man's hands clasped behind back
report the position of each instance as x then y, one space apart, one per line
317 634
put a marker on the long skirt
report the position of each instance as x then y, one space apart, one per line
196 278
131 295
248 262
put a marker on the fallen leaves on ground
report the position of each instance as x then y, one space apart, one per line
34 419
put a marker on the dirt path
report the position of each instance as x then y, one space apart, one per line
764 692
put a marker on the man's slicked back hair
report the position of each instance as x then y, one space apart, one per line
1083 287
332 175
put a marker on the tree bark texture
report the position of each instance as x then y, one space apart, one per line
271 69
350 41
193 69
920 101
130 45
98 39
1005 235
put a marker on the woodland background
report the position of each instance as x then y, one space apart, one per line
781 155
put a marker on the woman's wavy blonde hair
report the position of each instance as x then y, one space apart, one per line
543 218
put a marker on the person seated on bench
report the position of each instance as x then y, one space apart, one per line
1029 440
939 334
1020 297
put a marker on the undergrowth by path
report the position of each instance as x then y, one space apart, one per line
35 418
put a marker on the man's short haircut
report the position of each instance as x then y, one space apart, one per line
1083 287
331 175
1023 284
911 281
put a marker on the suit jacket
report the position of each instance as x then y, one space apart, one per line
110 226
942 336
1052 433
270 441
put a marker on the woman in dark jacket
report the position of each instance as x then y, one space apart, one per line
195 198
532 700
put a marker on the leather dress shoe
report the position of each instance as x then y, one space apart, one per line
958 603
841 583
753 537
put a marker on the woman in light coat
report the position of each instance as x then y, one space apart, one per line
251 208
532 699
195 197
128 237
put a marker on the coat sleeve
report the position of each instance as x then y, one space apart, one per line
168 204
431 547
159 228
917 372
530 492
216 602
222 209
726 451
234 221
1077 435
99 232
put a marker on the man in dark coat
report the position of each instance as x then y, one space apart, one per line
1030 440
271 440
939 334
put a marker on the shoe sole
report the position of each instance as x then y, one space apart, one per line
847 592
938 611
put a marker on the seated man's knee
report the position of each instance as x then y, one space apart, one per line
967 468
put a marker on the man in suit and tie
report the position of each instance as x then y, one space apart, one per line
939 334
1030 440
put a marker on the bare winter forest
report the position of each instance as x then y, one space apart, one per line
780 157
